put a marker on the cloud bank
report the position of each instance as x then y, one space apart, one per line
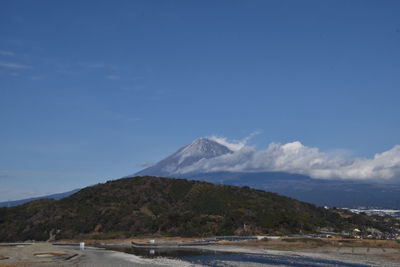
297 158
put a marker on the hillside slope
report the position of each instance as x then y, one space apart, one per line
166 206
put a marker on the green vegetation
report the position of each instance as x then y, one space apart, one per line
171 207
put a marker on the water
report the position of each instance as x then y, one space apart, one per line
267 259
172 253
219 259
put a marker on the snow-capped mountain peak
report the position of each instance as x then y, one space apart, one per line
202 148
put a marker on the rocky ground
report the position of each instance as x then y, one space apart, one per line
46 254
34 254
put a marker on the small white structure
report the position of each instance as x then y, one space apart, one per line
82 245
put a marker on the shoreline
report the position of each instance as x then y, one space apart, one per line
107 254
358 255
328 253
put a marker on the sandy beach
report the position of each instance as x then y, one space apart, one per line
46 254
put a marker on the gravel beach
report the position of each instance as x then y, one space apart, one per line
46 254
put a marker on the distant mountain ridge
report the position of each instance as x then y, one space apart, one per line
324 192
52 196
332 193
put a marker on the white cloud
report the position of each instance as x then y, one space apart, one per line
11 65
295 157
233 145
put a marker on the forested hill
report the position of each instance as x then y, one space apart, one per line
165 206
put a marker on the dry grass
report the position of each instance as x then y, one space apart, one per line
395 257
49 254
20 263
127 240
307 243
281 244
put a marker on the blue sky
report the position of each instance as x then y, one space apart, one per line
91 89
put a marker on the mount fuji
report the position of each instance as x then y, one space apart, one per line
323 192
202 148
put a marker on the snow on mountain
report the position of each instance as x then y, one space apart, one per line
285 169
202 148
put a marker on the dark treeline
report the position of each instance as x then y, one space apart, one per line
143 206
